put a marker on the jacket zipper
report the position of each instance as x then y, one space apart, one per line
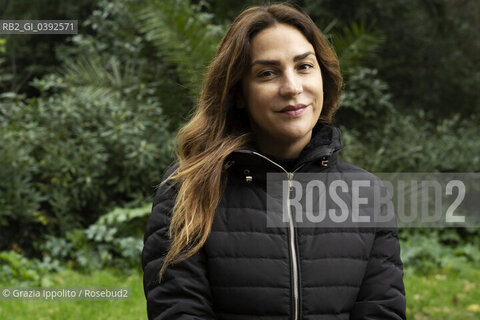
291 234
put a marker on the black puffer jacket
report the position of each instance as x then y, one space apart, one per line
249 271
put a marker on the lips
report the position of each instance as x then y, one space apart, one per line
293 107
293 110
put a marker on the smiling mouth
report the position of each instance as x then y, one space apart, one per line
293 110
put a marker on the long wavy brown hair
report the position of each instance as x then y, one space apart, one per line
218 126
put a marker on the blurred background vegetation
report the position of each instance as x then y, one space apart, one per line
87 123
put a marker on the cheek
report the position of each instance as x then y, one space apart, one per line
258 96
318 85
319 94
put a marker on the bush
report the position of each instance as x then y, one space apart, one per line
115 240
425 250
16 270
97 136
414 142
70 157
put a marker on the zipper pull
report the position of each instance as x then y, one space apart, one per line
324 162
248 177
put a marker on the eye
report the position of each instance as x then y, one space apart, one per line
305 66
266 74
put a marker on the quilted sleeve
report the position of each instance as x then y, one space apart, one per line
382 293
184 292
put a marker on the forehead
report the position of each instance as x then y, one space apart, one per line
279 41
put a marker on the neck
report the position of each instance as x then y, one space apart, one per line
282 149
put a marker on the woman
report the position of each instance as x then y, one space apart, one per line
266 106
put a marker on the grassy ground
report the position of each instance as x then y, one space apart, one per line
441 295
444 295
134 308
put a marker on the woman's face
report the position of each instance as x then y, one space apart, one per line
283 89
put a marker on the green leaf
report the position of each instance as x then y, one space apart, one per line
183 35
356 45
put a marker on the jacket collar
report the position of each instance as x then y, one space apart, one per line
325 141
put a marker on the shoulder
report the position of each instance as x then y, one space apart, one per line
165 185
168 172
375 190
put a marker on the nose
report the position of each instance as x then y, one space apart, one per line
291 85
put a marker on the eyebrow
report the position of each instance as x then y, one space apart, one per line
277 63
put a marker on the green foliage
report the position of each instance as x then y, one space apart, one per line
434 65
225 11
430 54
183 36
70 156
32 55
366 97
122 215
15 266
111 60
19 198
16 270
5 76
99 78
116 53
356 44
413 142
426 250
98 135
379 135
115 240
